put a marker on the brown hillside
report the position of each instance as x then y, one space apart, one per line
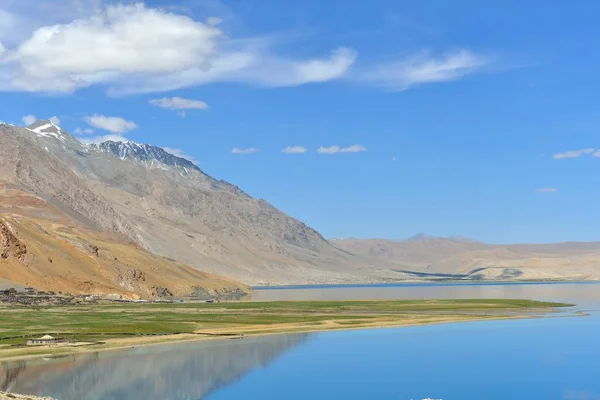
51 254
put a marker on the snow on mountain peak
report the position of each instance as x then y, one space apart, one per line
46 128
152 156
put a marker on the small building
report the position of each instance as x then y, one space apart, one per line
45 340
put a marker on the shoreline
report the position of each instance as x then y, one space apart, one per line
115 345
12 396
423 282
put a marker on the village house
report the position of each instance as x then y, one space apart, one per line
45 340
30 290
9 292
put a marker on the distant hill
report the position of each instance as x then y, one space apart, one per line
427 257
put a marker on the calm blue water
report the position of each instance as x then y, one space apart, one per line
552 358
549 359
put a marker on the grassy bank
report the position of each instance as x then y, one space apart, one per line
134 324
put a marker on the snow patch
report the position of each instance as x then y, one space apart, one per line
42 130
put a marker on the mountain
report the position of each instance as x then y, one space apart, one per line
417 252
161 205
58 234
162 225
428 257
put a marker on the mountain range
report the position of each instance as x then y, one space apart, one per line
135 220
429 257
61 199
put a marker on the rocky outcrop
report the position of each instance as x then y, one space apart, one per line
10 245
160 291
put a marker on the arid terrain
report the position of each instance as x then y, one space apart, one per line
165 205
134 220
426 257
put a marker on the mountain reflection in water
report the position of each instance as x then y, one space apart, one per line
184 371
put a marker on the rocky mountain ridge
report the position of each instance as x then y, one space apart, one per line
143 153
169 207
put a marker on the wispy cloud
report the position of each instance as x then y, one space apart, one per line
294 150
85 131
138 48
574 153
249 150
337 149
103 138
29 119
179 153
116 125
179 103
546 190
422 68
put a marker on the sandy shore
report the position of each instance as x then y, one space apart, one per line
13 396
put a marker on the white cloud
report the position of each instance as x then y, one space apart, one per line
86 131
596 153
179 153
178 103
422 68
8 23
112 124
573 153
547 190
117 41
250 150
29 119
252 64
337 149
137 48
213 21
62 46
19 19
294 150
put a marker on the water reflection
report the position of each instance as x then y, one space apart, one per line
183 371
553 358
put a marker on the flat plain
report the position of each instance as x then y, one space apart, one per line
97 327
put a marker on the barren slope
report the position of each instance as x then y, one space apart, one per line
430 257
169 207
41 247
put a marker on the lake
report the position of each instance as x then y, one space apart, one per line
549 358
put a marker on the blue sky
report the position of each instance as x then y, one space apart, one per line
449 118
